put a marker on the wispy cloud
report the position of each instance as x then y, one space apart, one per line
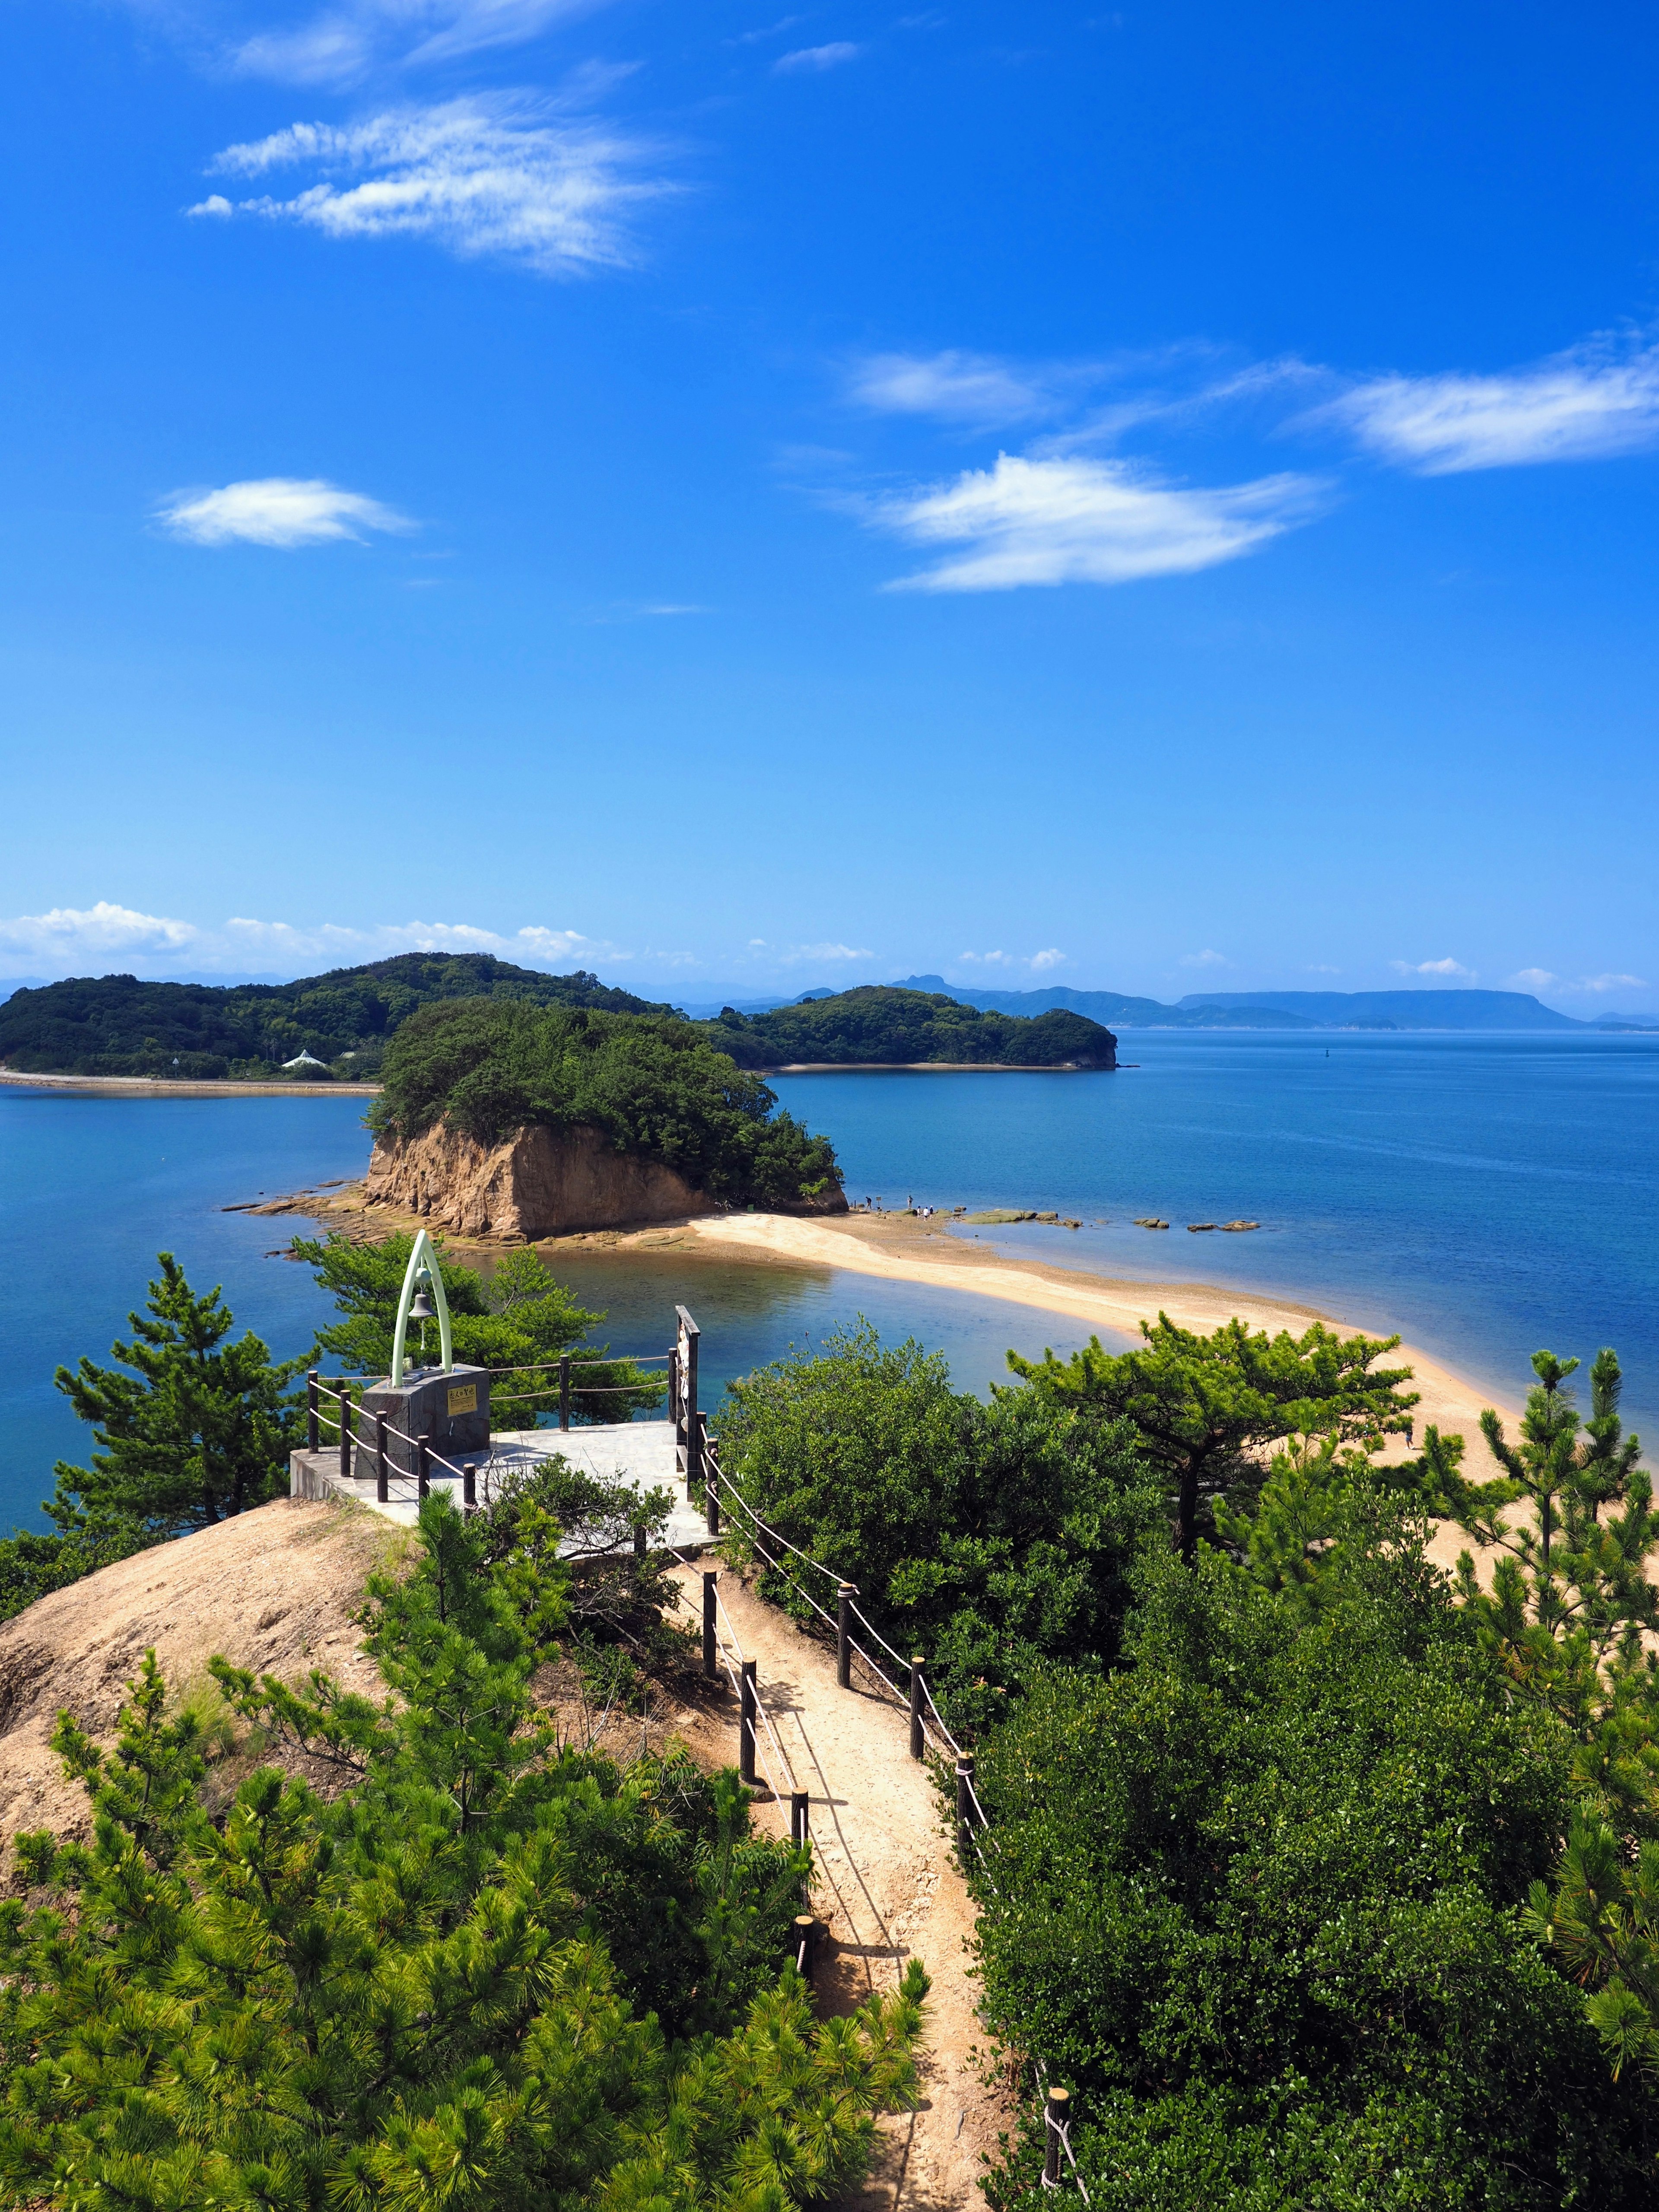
796 953
1545 979
1446 968
955 388
1584 404
348 41
1038 963
1061 521
1207 958
817 58
70 939
507 175
281 510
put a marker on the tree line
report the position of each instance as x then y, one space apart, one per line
1322 1878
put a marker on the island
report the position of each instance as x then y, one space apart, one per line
501 1119
887 1025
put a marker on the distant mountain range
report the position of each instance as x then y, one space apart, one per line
1288 1010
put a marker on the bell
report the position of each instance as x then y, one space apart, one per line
422 1309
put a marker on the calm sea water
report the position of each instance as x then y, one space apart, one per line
1486 1195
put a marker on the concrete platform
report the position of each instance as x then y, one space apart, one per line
636 1454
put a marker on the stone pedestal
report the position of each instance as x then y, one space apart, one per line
451 1411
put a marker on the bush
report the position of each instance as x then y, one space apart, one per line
1258 1899
992 1538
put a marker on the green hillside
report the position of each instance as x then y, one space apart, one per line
117 1025
656 1085
886 1025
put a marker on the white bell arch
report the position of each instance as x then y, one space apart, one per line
422 1260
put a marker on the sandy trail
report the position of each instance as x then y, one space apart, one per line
884 1886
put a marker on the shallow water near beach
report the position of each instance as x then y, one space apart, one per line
1486 1195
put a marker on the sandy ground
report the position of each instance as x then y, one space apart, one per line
273 1589
148 1086
885 1885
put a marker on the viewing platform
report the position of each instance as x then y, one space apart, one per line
385 1442
640 1455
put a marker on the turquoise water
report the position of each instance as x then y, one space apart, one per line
1486 1195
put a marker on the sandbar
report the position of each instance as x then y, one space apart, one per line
164 1086
902 1249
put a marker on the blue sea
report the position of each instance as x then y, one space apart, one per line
1485 1195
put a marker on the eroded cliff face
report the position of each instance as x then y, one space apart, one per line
538 1182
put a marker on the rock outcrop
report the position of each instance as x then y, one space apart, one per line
537 1183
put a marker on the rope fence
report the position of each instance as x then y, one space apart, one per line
760 1743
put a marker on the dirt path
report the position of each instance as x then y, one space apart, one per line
885 1887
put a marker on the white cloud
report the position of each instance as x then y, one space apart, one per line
341 44
1062 521
1320 968
332 941
500 175
1038 962
1207 958
1580 405
68 936
282 511
1543 979
1446 966
818 58
963 387
799 952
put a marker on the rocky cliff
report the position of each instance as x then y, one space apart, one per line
538 1182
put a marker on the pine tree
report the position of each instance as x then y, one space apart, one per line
1202 1404
491 1976
198 1429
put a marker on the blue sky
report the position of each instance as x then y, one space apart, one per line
1148 498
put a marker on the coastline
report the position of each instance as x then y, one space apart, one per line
162 1086
902 1248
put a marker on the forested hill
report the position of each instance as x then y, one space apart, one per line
117 1025
882 1025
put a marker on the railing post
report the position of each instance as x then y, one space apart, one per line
345 1432
709 1665
918 1676
674 1396
311 1411
468 1484
423 1476
687 1333
965 1811
564 1390
746 1725
711 1488
382 1487
799 1805
806 1943
844 1636
1056 2113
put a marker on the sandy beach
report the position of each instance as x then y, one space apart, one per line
157 1086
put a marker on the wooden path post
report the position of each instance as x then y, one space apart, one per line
311 1411
844 1636
344 1410
746 1725
382 1487
1055 2112
918 1679
710 1667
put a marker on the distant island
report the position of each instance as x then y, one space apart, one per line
337 1026
886 1025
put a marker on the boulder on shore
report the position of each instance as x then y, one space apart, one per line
538 1182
